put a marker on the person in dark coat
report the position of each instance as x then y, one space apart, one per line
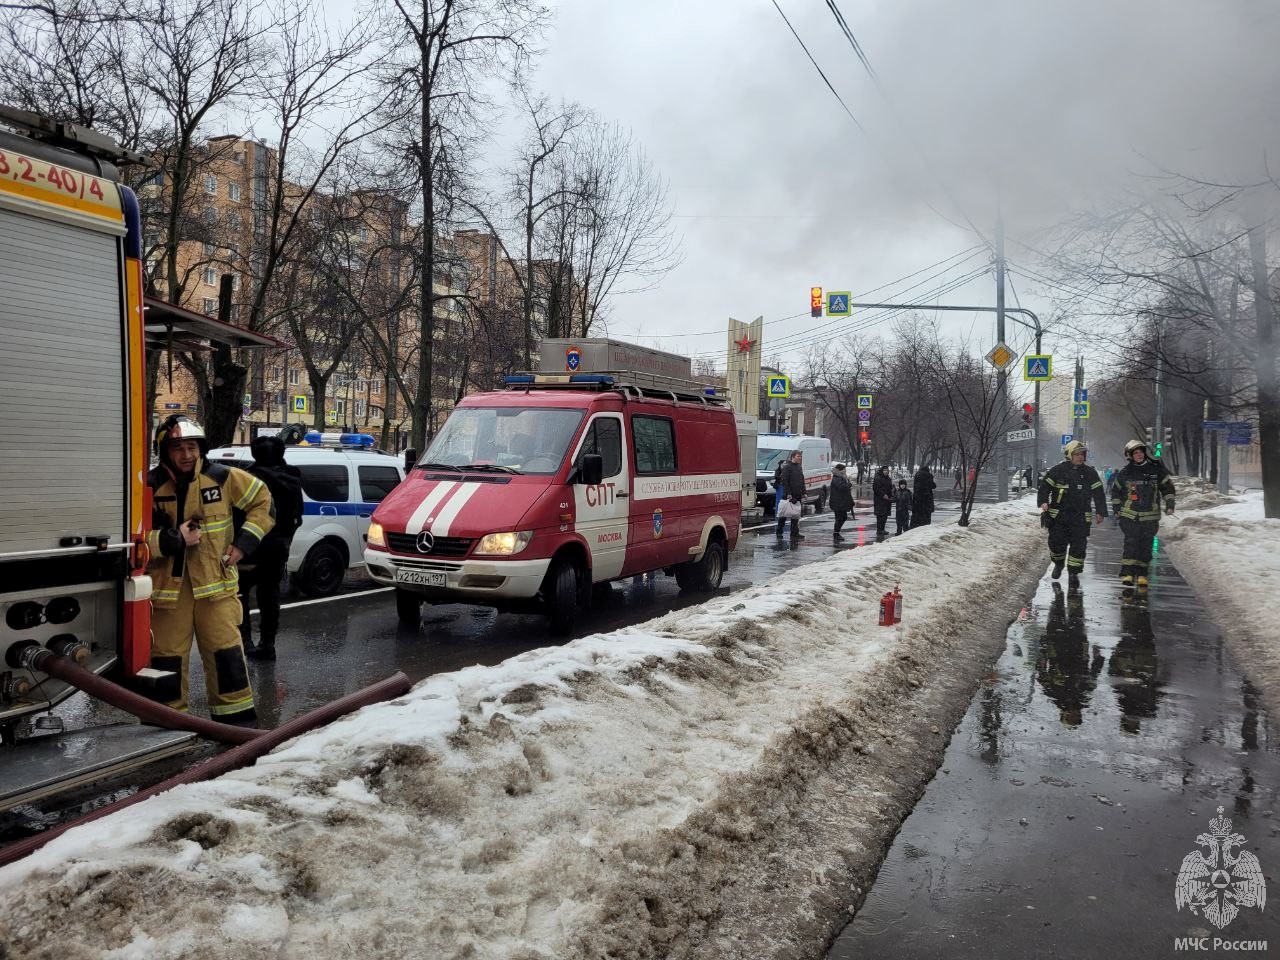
791 487
266 571
922 501
882 497
902 501
841 498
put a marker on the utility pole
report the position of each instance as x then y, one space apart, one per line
1077 429
1157 434
1002 378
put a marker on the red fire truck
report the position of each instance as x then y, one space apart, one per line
74 506
530 496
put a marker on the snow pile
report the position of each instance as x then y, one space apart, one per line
575 801
1231 555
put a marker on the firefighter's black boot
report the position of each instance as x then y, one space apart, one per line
1057 569
1073 580
265 650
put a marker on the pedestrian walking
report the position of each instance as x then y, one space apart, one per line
882 498
1136 494
902 504
959 484
1066 492
791 495
267 569
922 498
195 548
841 498
862 471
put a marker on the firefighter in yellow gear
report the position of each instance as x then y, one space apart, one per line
207 517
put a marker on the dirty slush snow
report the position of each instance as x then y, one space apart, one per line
721 781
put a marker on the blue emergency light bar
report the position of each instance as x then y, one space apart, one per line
317 439
534 379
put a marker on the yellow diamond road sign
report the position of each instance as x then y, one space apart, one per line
1001 356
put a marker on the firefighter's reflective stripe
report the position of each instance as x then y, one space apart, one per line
165 596
1130 514
250 527
217 526
239 706
249 494
216 587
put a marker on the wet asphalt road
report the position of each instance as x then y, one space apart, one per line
1109 734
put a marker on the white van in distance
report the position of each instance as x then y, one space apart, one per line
775 448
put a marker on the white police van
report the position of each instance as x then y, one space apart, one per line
341 486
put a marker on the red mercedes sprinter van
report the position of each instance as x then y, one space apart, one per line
531 495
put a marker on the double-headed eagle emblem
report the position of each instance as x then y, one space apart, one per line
1218 880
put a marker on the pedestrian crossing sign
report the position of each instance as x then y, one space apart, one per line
1037 366
779 386
838 303
1080 411
299 404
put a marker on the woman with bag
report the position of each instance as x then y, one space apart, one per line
791 495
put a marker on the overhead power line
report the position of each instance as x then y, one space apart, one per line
835 93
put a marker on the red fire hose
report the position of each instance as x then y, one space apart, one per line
243 755
148 711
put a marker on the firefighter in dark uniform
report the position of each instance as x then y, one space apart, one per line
1067 490
207 517
1136 494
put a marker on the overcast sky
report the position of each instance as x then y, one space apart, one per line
1036 108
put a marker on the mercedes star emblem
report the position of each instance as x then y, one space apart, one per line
425 542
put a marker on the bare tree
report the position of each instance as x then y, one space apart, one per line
448 47
979 409
624 238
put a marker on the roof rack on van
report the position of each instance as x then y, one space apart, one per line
629 382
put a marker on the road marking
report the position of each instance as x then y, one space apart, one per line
338 596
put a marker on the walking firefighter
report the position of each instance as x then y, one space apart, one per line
1136 494
1067 490
208 516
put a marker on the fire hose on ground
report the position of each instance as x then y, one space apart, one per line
252 744
64 667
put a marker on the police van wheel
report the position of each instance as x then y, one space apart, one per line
408 607
703 575
561 595
322 571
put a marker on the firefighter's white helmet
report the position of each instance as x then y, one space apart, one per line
1133 445
1074 446
179 427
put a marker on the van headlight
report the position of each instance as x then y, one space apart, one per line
503 544
375 536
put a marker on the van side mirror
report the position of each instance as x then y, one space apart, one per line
590 469
410 458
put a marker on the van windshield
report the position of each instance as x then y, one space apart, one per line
512 439
767 458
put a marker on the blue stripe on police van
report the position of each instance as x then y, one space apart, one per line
312 509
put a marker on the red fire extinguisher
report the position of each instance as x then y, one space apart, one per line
887 604
891 607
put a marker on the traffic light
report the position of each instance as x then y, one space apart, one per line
1150 438
864 438
1165 441
815 301
1028 414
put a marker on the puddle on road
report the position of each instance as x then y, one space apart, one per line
1112 729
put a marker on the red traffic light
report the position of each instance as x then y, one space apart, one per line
815 301
1028 408
864 436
